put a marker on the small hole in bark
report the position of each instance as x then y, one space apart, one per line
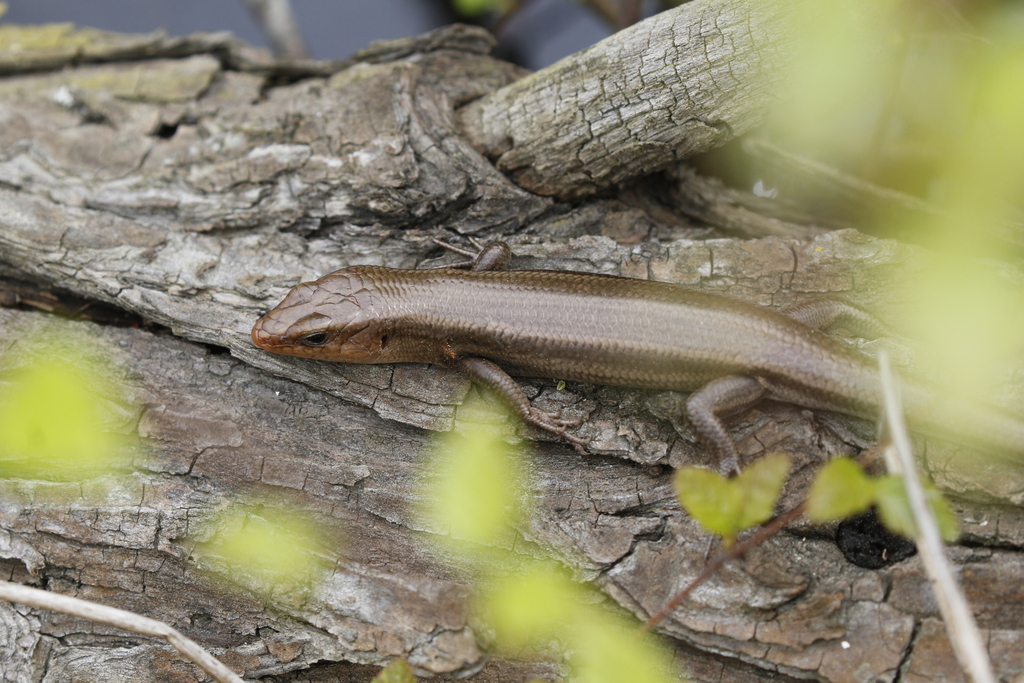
866 543
166 131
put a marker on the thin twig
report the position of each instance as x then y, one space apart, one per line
498 27
960 625
767 531
629 12
278 22
129 621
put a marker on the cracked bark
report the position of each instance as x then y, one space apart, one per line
193 181
682 82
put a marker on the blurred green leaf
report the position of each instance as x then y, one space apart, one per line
986 167
54 423
397 671
949 527
846 51
894 507
709 498
922 100
971 317
759 486
472 8
534 605
266 548
609 650
476 482
540 603
727 507
895 513
840 490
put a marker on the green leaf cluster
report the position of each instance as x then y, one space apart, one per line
475 492
728 506
541 604
842 489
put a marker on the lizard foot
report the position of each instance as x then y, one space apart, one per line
558 426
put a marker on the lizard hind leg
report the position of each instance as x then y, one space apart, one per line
706 406
828 312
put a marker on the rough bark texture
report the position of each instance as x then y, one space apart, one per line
681 82
194 190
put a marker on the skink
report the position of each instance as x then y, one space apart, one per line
490 323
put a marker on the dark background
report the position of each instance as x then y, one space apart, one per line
545 31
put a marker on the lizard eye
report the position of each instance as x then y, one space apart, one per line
315 339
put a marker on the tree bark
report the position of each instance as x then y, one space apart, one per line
679 83
194 181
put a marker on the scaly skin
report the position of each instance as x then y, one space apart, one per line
605 330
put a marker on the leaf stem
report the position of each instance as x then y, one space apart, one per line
762 534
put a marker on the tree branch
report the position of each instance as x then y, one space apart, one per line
700 74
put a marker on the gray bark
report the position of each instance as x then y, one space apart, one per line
192 189
681 82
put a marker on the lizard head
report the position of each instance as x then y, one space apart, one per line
328 319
